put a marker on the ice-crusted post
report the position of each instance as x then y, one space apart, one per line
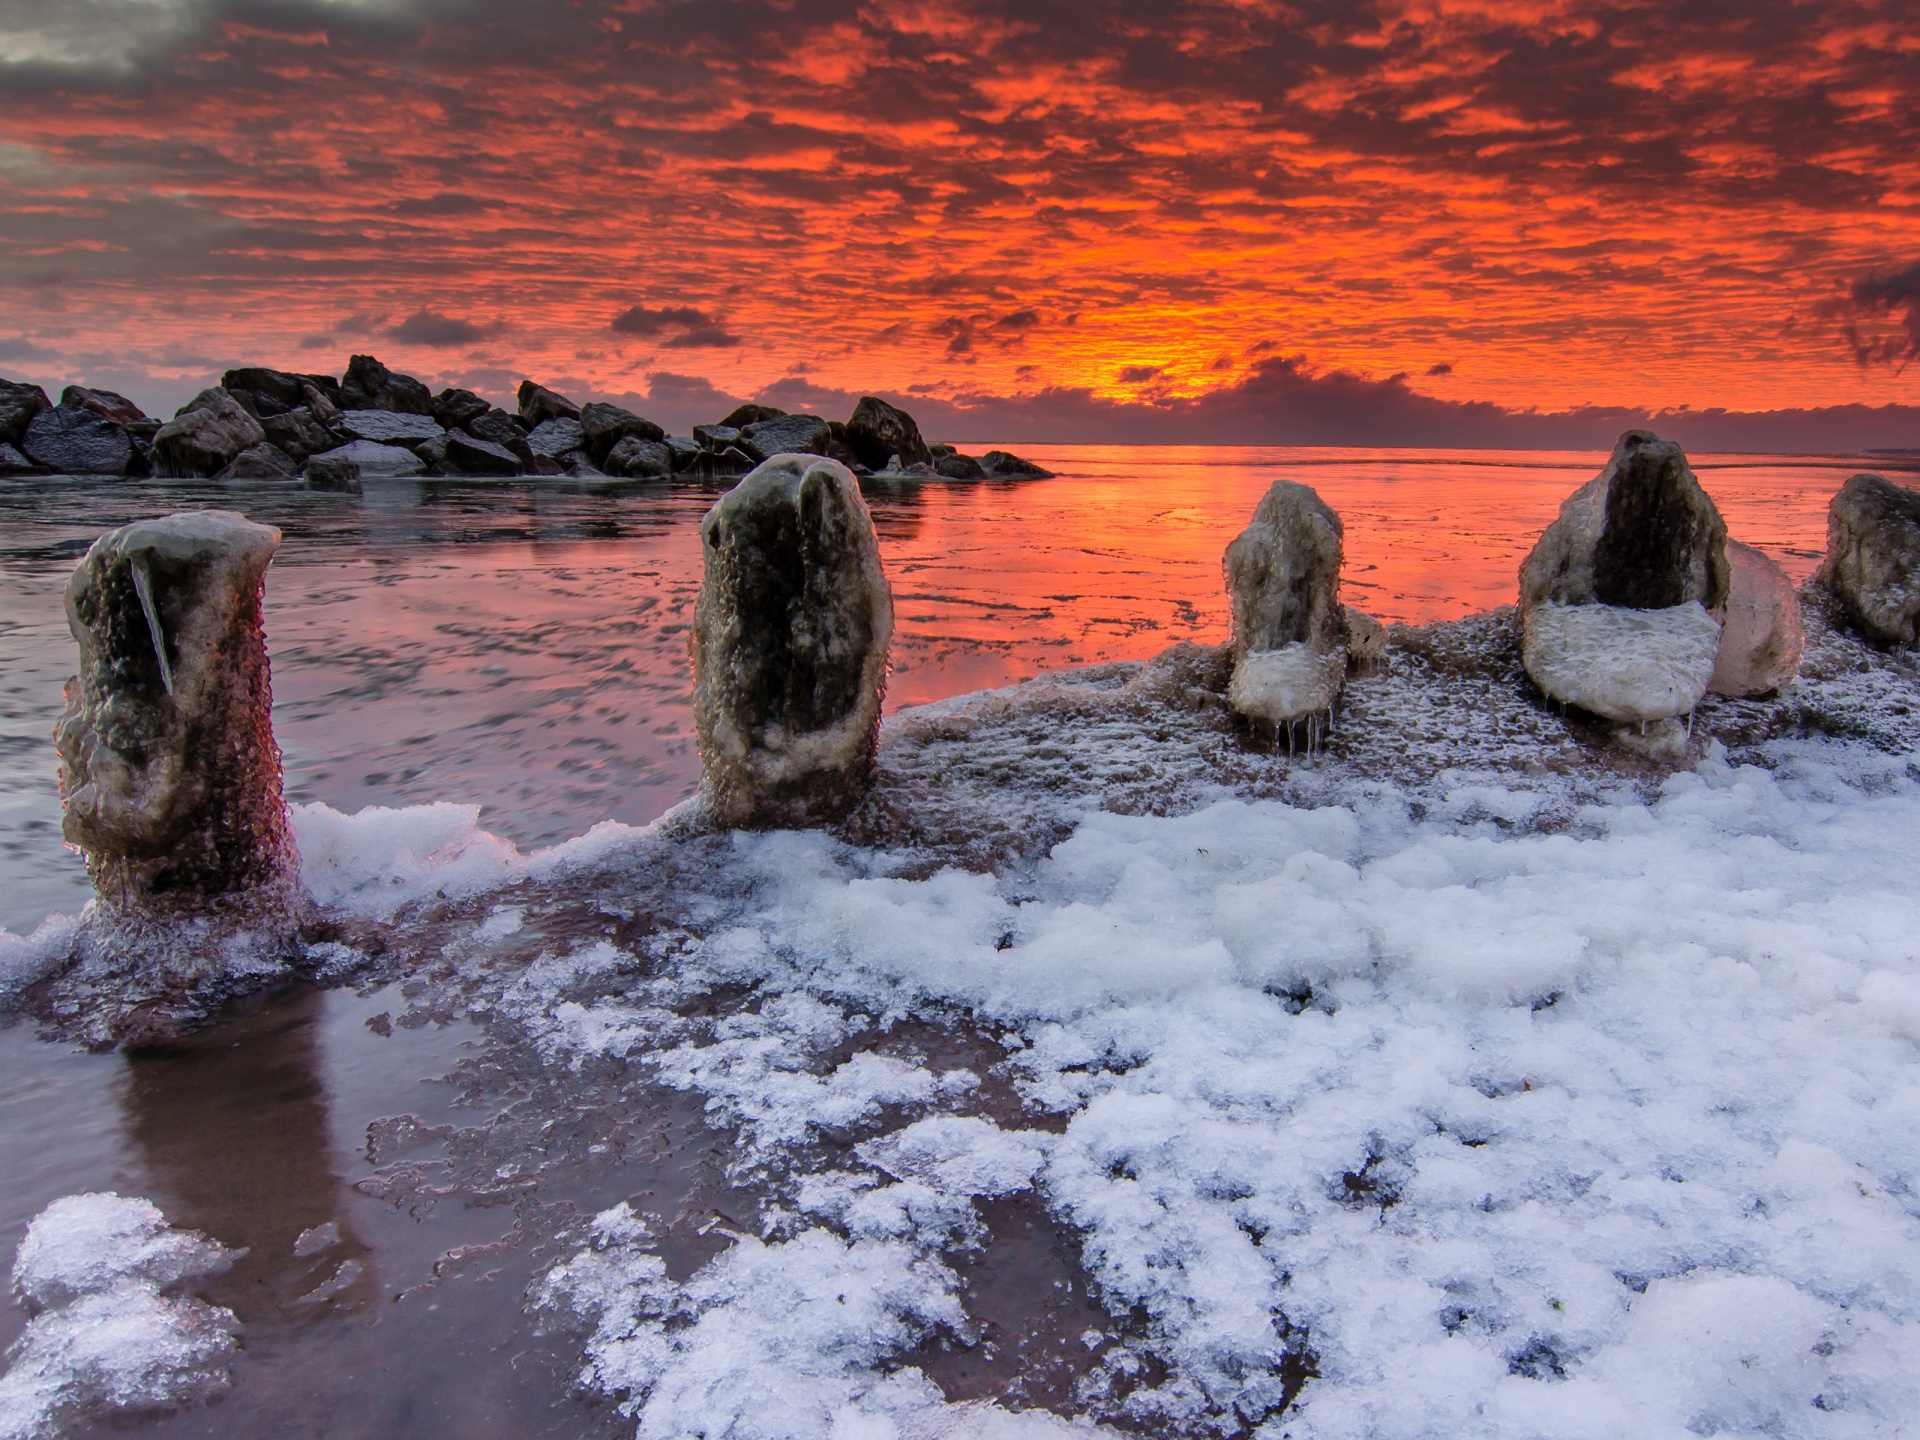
1623 596
169 775
1290 633
789 645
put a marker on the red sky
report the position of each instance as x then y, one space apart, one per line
1138 207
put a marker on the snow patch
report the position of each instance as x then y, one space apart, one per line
105 1337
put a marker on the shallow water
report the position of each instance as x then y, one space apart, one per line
523 646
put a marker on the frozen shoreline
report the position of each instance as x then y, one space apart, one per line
1468 1073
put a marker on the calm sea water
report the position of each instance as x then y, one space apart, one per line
523 646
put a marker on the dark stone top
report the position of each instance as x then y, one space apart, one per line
19 403
369 385
1662 542
877 431
538 403
742 416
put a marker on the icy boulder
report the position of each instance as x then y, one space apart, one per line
1620 663
1290 633
107 1338
1643 548
1761 643
170 776
1873 557
789 646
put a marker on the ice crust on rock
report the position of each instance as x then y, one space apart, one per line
106 1337
1628 665
170 777
789 641
1290 631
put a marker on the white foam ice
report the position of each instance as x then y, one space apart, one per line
1286 685
1612 1131
106 1337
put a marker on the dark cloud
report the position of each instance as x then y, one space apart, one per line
1873 301
690 329
1139 374
431 328
1440 367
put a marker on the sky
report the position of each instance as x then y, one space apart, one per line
1436 222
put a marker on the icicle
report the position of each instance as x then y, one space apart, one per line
1289 740
143 587
1689 724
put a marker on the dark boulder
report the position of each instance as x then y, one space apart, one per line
556 438
686 453
264 392
333 472
323 400
19 403
639 459
877 431
369 385
298 433
261 462
454 408
71 441
380 461
13 462
326 385
742 416
786 435
390 427
538 404
107 404
956 466
140 435
715 437
1004 465
500 428
432 453
1873 558
471 455
607 425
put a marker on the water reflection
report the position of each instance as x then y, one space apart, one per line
232 1128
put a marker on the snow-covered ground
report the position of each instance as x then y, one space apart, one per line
1474 1078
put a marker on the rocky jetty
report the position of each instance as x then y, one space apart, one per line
1873 558
1621 598
276 425
1290 632
789 644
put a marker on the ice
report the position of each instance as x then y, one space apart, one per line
105 1336
1620 663
1282 686
1612 1130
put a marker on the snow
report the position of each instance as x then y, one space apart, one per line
106 1337
1611 1130
1623 664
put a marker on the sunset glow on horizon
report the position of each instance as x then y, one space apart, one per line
1540 206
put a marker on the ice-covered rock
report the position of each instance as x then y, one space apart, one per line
1620 663
203 438
1289 629
170 776
639 459
1640 539
106 1338
1763 637
1366 639
1873 557
789 643
556 437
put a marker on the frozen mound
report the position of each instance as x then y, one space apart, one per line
106 1338
1283 579
1621 664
